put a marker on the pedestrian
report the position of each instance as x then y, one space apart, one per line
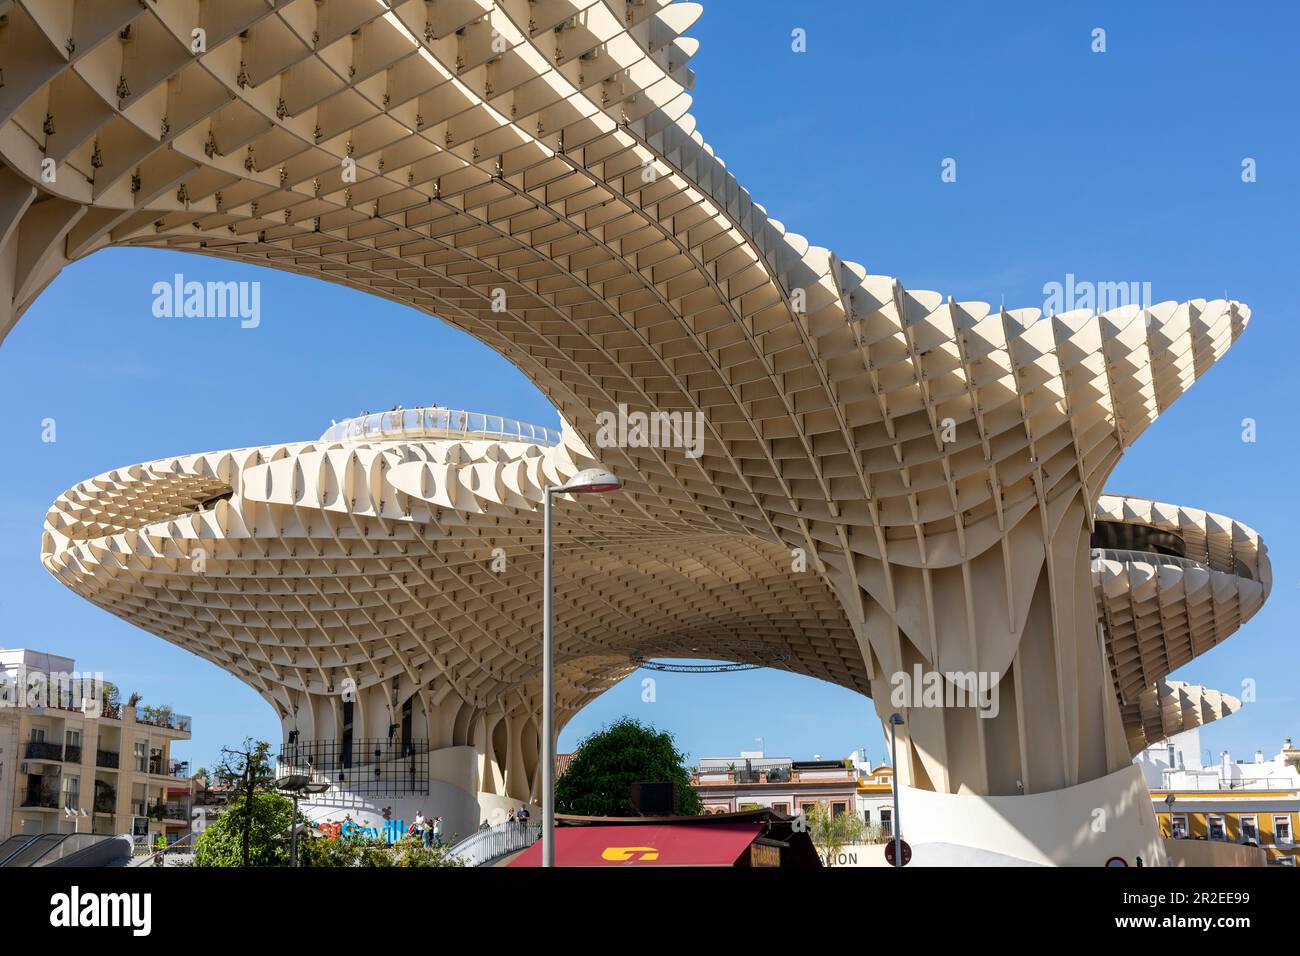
437 830
522 815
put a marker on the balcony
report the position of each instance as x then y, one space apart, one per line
72 753
163 717
107 759
169 810
39 795
41 750
106 801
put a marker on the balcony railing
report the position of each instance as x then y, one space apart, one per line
42 798
106 802
384 766
43 750
107 759
436 422
169 810
166 719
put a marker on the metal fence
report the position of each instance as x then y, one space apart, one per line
486 845
375 765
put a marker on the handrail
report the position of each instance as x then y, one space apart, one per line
1239 567
433 421
483 847
1149 557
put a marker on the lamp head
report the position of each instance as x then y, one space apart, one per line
896 719
590 481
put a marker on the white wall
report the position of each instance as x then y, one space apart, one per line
1213 853
1079 826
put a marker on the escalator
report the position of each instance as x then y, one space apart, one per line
12 845
64 849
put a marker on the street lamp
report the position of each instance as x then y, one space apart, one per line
589 481
295 785
894 721
74 814
1169 809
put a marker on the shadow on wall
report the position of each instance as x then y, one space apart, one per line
1084 825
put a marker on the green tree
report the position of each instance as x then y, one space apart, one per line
263 833
832 832
111 699
600 776
250 771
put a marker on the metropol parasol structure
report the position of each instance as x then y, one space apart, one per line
887 482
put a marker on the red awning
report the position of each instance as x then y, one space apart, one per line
691 844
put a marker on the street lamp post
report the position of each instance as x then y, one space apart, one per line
587 481
894 721
295 785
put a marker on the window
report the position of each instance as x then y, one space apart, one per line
407 720
141 756
38 735
1178 826
887 821
1217 832
781 807
1282 829
1249 830
345 739
866 817
72 738
838 809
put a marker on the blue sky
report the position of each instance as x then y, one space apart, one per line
1115 166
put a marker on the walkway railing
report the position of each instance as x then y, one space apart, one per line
1239 567
436 422
487 845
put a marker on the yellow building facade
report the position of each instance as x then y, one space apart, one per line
1267 817
103 770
